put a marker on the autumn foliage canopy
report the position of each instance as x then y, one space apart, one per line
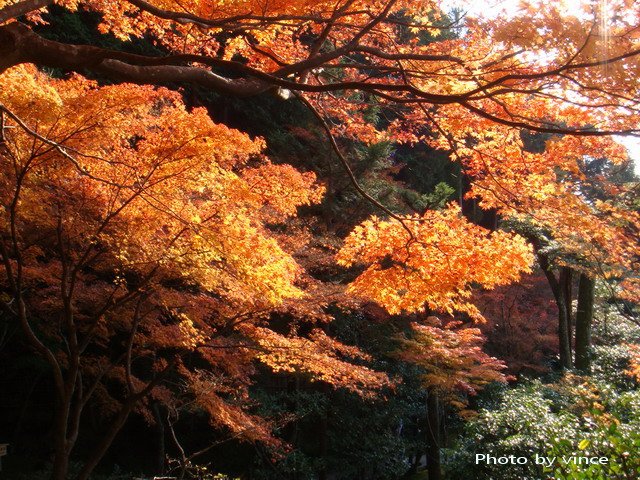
136 231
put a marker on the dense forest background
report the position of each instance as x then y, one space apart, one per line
264 370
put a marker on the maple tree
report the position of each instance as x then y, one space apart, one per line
137 229
455 367
561 76
432 261
550 71
578 222
142 223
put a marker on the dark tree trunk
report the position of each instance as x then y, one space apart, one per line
433 436
565 280
584 319
160 452
60 465
563 332
62 444
563 302
103 445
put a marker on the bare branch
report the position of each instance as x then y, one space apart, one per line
347 168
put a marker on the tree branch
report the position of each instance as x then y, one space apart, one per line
22 8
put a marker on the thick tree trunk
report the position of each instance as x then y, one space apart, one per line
60 465
65 432
563 302
563 333
103 445
584 319
67 423
62 443
433 436
565 327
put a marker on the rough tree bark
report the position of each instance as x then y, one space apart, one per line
563 301
584 319
566 284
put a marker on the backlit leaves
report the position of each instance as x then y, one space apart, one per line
436 266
